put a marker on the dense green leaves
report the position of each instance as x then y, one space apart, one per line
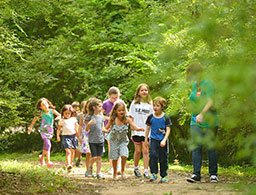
70 50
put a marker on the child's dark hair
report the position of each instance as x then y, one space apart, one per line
86 105
113 90
67 107
137 98
113 113
38 104
94 102
160 101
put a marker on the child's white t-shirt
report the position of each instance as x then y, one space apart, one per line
139 113
68 126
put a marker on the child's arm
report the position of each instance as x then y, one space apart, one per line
146 135
88 124
163 142
209 104
81 124
77 127
57 114
133 126
106 118
32 123
58 132
104 130
108 126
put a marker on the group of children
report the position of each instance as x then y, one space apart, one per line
85 132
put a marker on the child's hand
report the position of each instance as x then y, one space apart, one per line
199 118
146 143
141 129
162 143
58 138
92 122
57 118
29 130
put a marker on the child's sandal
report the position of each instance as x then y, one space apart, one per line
41 161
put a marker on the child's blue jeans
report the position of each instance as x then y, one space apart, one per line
205 136
158 154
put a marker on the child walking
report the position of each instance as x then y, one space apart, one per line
95 126
47 110
84 136
69 127
113 97
118 137
140 108
78 153
158 124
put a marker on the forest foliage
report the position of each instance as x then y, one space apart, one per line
69 50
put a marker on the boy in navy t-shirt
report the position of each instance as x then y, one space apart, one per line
158 124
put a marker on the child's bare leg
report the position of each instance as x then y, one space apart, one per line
87 160
68 156
72 155
123 163
47 154
114 163
145 155
93 159
41 158
110 161
137 153
98 162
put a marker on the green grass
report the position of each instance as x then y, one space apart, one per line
29 178
31 156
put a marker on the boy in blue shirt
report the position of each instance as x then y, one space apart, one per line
158 124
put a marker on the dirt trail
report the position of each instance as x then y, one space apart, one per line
177 183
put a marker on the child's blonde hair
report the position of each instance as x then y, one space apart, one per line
75 104
137 98
113 90
161 101
113 113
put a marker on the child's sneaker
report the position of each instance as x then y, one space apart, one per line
194 179
214 179
49 164
137 173
153 177
110 171
78 162
86 174
100 176
146 175
164 179
69 168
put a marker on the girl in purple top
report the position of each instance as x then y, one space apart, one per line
113 97
47 110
